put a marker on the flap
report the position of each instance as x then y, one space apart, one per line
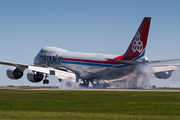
39 69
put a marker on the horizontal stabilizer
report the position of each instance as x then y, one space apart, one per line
127 62
163 68
160 61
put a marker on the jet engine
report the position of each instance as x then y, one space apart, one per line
34 76
14 73
163 75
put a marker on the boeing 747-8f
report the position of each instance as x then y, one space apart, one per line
91 67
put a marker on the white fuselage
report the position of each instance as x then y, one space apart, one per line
85 65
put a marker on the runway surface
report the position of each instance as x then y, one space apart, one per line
151 90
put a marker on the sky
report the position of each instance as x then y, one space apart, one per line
96 26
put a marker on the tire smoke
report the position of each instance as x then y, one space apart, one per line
140 78
68 84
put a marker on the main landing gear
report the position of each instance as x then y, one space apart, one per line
46 81
84 84
95 84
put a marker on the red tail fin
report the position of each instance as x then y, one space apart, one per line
138 43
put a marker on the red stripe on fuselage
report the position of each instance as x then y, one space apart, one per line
96 61
91 61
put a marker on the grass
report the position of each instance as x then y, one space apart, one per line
80 105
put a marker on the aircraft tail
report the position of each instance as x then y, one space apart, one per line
137 46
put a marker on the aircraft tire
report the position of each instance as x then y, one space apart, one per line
45 81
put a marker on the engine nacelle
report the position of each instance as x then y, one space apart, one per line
35 77
163 75
14 73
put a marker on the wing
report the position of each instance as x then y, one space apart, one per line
61 72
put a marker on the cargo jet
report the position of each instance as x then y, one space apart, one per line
91 67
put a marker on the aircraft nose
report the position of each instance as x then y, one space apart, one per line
36 59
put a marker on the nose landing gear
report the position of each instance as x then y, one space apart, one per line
46 81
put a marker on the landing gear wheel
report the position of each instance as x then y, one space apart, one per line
60 80
97 85
85 84
45 81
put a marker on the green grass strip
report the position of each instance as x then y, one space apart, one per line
27 104
37 115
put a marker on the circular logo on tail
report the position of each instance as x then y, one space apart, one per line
137 45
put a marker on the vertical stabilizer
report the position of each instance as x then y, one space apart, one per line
138 43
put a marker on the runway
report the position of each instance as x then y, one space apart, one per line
140 90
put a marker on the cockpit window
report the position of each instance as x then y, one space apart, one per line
42 51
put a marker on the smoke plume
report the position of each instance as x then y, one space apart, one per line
140 78
68 84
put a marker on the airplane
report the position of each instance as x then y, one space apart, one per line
91 67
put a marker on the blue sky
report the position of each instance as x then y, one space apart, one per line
98 26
